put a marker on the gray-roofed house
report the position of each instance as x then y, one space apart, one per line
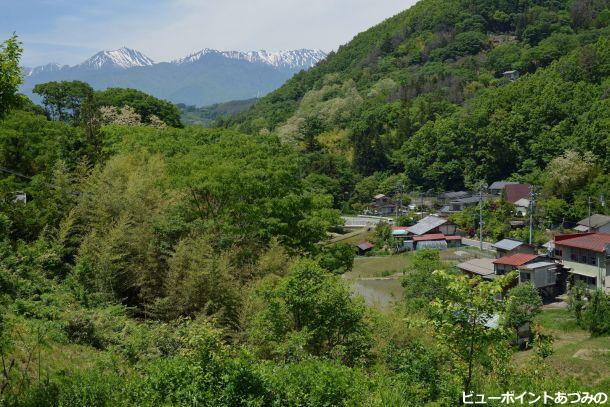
382 205
433 224
598 223
510 246
540 273
458 205
481 267
452 195
497 187
522 206
512 75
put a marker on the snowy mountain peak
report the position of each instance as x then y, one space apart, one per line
294 59
52 67
119 58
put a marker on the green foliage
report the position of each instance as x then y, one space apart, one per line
63 100
421 284
10 74
382 236
337 258
460 322
309 312
145 105
170 266
597 314
522 306
576 300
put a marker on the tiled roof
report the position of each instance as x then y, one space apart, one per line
431 236
517 259
514 192
588 241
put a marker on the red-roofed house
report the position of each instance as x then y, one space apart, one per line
364 247
535 269
511 262
431 236
515 192
587 256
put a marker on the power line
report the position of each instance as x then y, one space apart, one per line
18 174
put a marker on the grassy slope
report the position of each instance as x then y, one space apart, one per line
576 354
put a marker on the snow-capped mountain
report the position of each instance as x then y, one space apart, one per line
52 67
122 58
294 59
203 78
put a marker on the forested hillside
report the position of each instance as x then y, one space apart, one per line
423 94
145 263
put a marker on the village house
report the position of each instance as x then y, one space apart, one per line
364 248
587 258
522 206
540 271
433 224
506 264
511 75
498 187
402 238
482 267
595 223
459 205
430 232
436 241
382 205
449 196
515 192
508 246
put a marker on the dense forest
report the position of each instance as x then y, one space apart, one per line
145 262
421 98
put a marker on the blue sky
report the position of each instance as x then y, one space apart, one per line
69 31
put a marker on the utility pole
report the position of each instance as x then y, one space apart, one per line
532 209
400 189
481 188
589 204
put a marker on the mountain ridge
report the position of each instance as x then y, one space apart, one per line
203 78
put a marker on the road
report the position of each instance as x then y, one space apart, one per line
476 243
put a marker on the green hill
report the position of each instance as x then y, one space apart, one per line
423 93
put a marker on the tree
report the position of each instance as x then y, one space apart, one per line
91 123
577 300
382 236
421 284
308 312
522 305
63 100
597 314
150 108
570 171
462 321
337 258
10 74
